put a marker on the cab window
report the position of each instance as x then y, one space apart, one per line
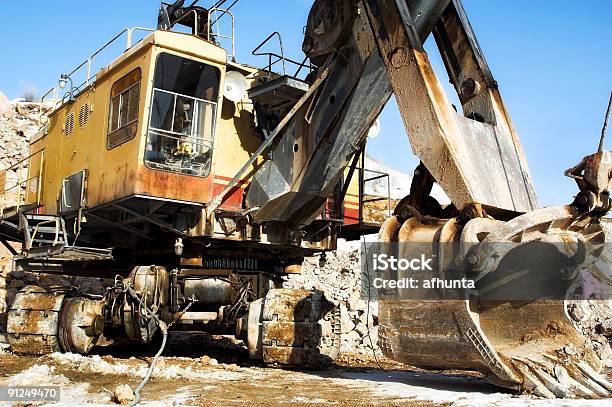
183 114
124 105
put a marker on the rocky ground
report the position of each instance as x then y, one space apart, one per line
211 375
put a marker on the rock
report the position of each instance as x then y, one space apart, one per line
31 278
17 274
122 394
53 280
355 304
350 341
579 310
569 350
5 104
605 328
10 296
213 362
17 284
366 318
346 322
161 364
361 329
231 367
205 360
374 336
22 109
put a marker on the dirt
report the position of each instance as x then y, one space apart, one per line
552 329
218 373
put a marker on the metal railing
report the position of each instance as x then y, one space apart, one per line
14 195
216 23
376 175
87 64
274 58
335 212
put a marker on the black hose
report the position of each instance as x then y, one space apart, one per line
164 329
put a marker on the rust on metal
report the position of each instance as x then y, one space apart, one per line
33 321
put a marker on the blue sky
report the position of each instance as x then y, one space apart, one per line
552 59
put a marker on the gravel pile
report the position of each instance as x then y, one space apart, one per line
339 276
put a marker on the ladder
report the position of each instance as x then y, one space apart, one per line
43 230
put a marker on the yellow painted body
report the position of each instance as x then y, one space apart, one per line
75 138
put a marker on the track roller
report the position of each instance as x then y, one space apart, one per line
296 328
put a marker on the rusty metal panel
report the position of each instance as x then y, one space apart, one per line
477 159
174 186
293 305
32 321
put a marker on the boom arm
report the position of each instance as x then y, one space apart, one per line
476 158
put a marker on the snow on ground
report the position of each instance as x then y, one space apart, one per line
44 375
461 391
95 364
251 386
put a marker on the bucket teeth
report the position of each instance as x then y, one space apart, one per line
532 382
576 379
596 377
594 389
551 383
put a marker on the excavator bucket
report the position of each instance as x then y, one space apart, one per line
513 326
512 323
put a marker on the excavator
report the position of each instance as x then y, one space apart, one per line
195 184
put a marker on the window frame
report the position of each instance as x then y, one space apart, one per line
124 94
172 134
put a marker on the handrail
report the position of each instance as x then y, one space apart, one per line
195 21
280 57
362 187
22 193
270 54
89 61
218 34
